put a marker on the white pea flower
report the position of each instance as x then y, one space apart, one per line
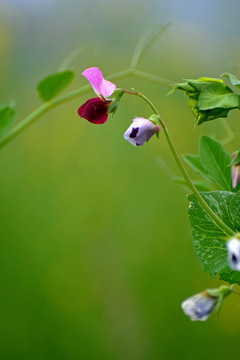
233 246
199 307
140 131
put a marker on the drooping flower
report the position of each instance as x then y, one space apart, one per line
200 306
140 131
235 169
95 110
233 247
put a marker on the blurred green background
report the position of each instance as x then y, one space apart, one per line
95 251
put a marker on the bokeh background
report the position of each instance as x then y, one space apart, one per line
95 247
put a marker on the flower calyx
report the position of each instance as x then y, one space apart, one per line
114 99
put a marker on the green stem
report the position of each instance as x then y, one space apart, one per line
200 199
72 56
156 79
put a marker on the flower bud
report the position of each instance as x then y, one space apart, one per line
200 306
233 247
140 131
235 168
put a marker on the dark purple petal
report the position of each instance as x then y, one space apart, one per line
94 110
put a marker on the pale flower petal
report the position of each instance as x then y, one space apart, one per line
140 131
199 307
233 246
103 88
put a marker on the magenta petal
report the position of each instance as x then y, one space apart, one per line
101 86
94 110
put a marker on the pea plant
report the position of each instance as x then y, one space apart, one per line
214 202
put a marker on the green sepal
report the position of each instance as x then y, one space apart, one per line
155 119
220 294
6 117
115 99
236 159
53 84
222 291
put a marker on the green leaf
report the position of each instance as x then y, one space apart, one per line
208 115
209 98
195 163
217 95
182 86
145 41
199 184
234 210
209 240
6 117
232 78
215 161
53 84
72 56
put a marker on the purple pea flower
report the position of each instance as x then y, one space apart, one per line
95 110
140 131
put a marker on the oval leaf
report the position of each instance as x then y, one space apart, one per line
215 161
209 240
234 210
54 84
217 95
200 185
195 163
